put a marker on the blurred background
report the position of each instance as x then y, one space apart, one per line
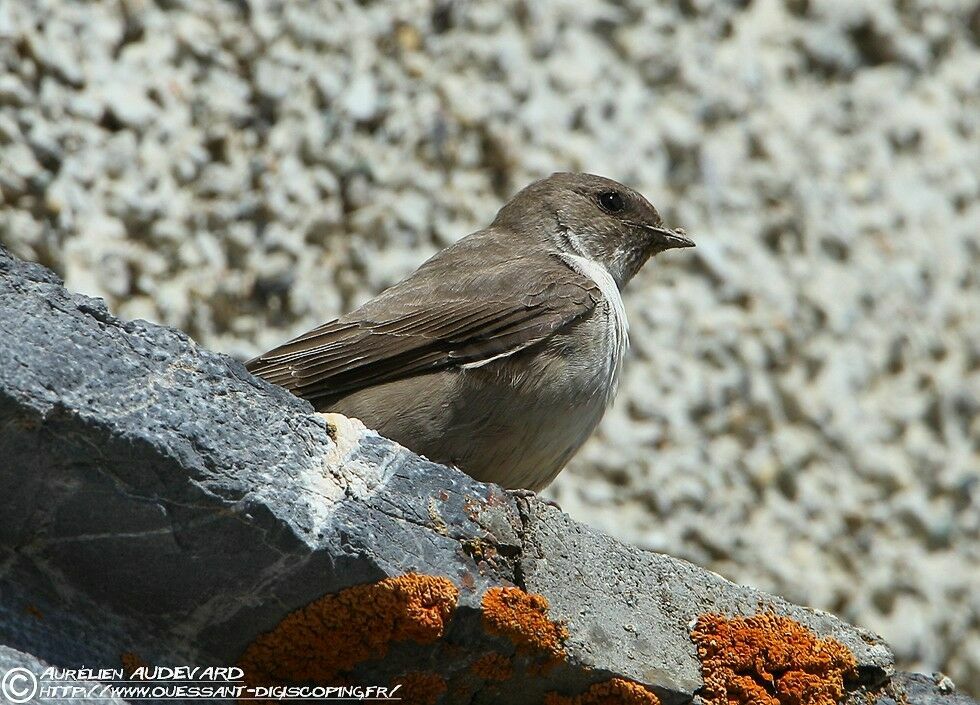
801 402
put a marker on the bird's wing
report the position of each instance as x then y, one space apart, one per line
421 326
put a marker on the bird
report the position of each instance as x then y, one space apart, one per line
500 354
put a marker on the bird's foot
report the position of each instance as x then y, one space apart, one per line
521 493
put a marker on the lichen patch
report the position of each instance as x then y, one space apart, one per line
330 636
493 667
615 691
131 661
767 659
523 618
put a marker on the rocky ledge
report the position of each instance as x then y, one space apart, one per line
160 506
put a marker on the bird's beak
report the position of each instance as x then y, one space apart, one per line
670 238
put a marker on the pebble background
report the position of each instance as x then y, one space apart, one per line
800 406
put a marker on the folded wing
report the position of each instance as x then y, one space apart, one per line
421 326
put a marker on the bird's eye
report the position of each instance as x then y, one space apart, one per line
611 201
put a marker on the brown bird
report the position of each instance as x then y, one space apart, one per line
500 354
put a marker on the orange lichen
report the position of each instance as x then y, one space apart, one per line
522 617
130 662
328 637
767 659
615 691
421 688
493 667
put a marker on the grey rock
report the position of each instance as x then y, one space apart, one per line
158 499
917 688
822 356
17 669
361 98
12 91
128 104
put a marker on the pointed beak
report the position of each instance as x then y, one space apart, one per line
670 238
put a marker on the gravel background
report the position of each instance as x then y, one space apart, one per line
800 406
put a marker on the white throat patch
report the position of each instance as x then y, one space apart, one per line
619 327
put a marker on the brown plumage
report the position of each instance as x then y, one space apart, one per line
501 352
402 333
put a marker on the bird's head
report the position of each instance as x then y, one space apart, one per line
592 217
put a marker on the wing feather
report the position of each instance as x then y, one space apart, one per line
422 326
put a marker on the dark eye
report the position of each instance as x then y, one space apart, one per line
611 201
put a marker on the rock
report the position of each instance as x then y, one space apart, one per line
920 689
361 98
21 685
128 104
823 155
160 500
